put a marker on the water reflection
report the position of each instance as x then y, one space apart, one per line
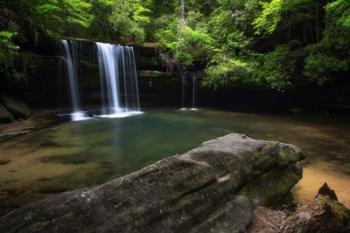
78 154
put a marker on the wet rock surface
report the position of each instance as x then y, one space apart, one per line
16 107
38 119
5 116
208 189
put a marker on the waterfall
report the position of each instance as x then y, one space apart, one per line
70 53
109 71
183 74
119 81
189 92
183 92
194 93
117 75
184 103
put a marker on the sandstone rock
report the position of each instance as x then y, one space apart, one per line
5 116
324 215
18 108
8 135
199 191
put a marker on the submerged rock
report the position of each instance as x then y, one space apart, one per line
207 189
4 162
18 108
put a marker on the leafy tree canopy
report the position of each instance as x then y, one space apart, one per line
276 44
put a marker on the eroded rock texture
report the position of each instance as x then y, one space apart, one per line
324 215
207 189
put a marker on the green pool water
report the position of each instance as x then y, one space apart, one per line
79 154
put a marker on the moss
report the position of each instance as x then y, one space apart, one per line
271 188
327 197
38 225
338 209
261 161
341 212
288 154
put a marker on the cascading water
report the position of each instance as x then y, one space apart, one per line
194 93
189 92
117 74
182 23
70 53
183 92
109 70
119 84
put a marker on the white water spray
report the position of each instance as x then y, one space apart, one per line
70 53
119 81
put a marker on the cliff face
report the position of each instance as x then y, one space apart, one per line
46 81
211 188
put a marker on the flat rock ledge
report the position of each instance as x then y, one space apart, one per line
212 188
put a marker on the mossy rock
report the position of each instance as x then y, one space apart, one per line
5 116
327 197
272 188
16 107
4 162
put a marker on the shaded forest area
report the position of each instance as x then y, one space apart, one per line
277 45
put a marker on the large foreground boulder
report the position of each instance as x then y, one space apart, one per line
208 189
17 107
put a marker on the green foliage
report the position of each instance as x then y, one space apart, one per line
296 32
8 50
54 17
274 69
277 68
281 14
319 66
129 18
331 55
101 28
224 70
275 44
269 17
339 11
186 44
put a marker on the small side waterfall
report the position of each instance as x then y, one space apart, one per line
185 85
118 80
189 91
194 93
70 53
183 92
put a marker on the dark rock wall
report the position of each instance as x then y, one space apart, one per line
46 84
